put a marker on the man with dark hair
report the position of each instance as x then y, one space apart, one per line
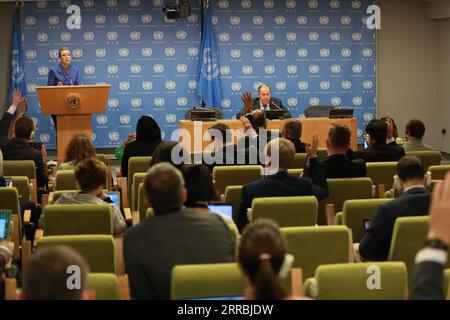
47 275
264 102
337 164
280 183
225 152
415 201
378 150
415 130
19 147
174 236
292 130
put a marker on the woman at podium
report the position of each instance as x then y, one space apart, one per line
64 74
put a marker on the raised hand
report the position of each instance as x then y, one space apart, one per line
390 128
440 212
246 98
246 123
17 98
312 149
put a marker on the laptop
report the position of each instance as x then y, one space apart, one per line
5 216
275 114
223 208
115 197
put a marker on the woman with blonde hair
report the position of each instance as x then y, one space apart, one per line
79 148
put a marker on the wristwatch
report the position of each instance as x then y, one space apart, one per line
436 244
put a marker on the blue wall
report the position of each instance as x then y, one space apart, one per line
309 52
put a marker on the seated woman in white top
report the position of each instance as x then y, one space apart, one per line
79 148
91 175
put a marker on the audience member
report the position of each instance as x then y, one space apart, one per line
172 152
337 164
262 258
79 148
120 149
415 201
292 130
415 130
225 152
174 236
47 275
428 275
148 137
392 133
281 183
91 176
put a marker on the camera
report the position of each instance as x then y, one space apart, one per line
181 10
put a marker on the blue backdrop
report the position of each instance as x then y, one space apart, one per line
310 52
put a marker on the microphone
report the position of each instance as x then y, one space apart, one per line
277 106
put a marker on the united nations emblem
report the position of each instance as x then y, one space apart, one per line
73 101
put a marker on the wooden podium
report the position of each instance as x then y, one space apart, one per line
73 106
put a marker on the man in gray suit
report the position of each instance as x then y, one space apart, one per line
174 236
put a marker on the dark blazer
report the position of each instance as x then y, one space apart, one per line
427 281
339 166
300 147
282 184
16 149
228 155
254 146
380 152
156 245
376 242
137 148
273 103
57 74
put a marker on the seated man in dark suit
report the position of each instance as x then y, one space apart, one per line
292 130
280 153
428 274
264 102
378 150
19 147
415 201
337 165
174 236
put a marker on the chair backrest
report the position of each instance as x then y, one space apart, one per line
341 190
142 207
135 165
65 180
9 199
103 158
97 250
446 283
287 211
72 219
318 111
206 281
225 176
105 285
314 246
355 212
295 172
438 172
233 196
429 158
138 178
382 173
23 187
25 168
55 195
361 281
198 156
299 161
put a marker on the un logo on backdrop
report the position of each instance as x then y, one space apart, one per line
113 69
258 20
356 4
269 69
224 70
135 35
280 85
147 52
291 4
65 36
53 53
335 36
269 36
357 101
157 3
192 85
346 85
225 103
324 20
182 68
30 21
367 52
182 101
44 138
100 53
336 101
214 20
235 53
303 85
41 4
367 84
314 101
64 3
280 20
42 71
158 35
335 68
146 18
235 20
169 52
123 19
346 52
356 36
181 35
236 86
258 53
302 53
346 20
224 4
268 4
124 52
111 3
31 87
135 68
42 37
31 54
357 68
324 53
112 36
325 85
53 20
124 85
257 84
89 69
335 4
314 69
292 69
88 3
246 4
247 36
102 119
113 136
135 3
280 53
88 36
193 18
158 68
292 102
368 116
136 102
313 36
159 102
192 52
171 85
291 36
247 70
302 20
313 4
147 85
100 19
77 53
113 103
171 118
125 119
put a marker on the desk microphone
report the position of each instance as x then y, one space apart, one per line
277 106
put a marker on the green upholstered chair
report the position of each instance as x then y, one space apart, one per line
97 250
71 219
142 207
438 172
287 211
103 158
322 153
341 190
105 285
233 196
353 282
382 173
314 246
23 187
138 178
9 200
225 176
355 212
429 158
295 172
65 180
20 168
206 281
299 161
446 284
136 165
149 213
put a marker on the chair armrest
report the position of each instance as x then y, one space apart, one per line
124 287
123 186
329 209
136 218
45 198
338 218
118 173
34 190
128 215
381 191
297 282
26 217
311 288
109 178
50 198
38 234
11 289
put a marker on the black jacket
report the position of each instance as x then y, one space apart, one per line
274 102
427 281
339 166
380 152
300 147
376 242
156 245
282 184
138 148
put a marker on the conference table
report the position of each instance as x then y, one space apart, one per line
195 138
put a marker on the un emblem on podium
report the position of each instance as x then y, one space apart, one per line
73 101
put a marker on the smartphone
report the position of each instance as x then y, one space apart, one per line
5 181
367 223
4 224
